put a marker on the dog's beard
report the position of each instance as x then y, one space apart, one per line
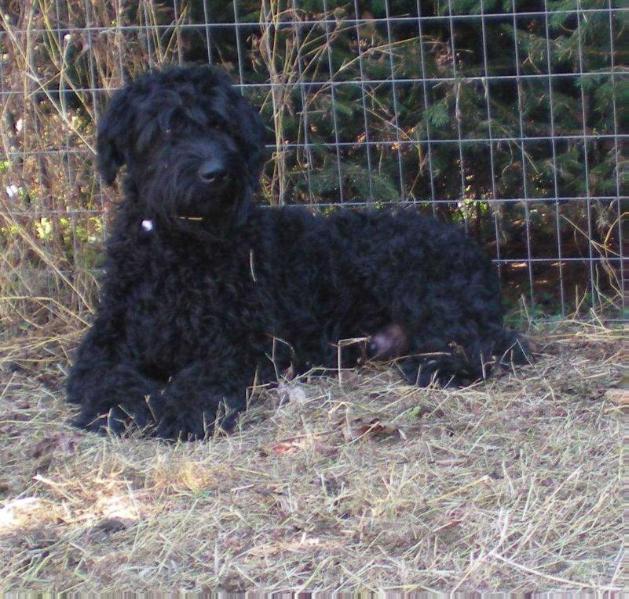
179 196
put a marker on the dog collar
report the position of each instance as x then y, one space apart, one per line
147 224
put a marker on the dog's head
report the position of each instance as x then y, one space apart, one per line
191 143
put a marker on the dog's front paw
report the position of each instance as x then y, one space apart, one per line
116 421
185 425
113 421
193 416
116 401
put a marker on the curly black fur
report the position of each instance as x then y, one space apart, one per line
204 289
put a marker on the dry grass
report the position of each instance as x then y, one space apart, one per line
363 484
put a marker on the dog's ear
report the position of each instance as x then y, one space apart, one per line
253 134
113 135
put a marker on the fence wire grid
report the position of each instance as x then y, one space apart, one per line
504 116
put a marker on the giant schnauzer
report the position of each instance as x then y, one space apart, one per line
205 291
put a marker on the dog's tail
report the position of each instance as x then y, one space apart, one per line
512 348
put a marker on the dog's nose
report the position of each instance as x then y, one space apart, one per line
211 171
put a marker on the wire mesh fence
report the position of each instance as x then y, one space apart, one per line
504 116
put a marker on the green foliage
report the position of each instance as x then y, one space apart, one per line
437 114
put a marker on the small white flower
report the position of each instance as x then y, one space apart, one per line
12 190
147 225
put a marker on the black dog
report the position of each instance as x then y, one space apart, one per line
205 292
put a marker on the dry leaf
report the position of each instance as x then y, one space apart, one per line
359 428
285 447
618 396
61 443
